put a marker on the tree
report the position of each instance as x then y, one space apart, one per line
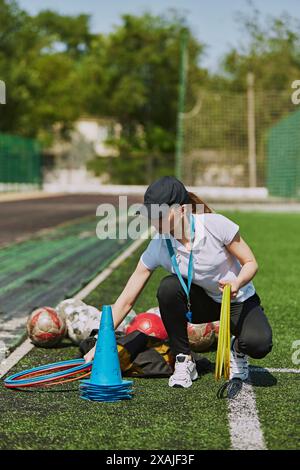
56 69
271 52
43 86
141 67
72 33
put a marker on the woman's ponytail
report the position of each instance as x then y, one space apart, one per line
196 201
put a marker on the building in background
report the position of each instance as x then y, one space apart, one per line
65 162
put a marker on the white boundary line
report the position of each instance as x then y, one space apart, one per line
22 196
15 357
270 369
27 346
244 425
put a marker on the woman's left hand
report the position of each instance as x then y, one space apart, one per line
234 287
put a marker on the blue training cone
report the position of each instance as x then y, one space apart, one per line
105 383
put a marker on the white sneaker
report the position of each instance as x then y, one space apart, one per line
185 372
239 368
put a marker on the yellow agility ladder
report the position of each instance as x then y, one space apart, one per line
223 351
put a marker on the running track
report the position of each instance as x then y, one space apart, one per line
19 219
49 252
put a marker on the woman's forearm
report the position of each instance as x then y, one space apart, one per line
119 311
128 297
247 272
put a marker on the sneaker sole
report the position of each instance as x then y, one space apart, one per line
179 386
239 378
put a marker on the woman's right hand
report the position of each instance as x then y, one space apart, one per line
90 355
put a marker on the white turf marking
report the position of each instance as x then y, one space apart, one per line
15 357
244 426
27 346
271 369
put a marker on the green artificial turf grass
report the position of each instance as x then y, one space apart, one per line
156 418
274 239
159 417
277 402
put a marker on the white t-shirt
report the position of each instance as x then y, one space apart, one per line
211 260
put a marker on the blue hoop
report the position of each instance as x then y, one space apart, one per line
71 367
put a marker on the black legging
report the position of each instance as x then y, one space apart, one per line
248 321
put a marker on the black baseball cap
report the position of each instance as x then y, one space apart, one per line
161 195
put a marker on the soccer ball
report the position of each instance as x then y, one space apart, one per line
94 319
45 327
216 325
148 323
201 336
66 307
80 318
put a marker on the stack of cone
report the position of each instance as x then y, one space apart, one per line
105 383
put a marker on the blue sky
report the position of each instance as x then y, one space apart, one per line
213 21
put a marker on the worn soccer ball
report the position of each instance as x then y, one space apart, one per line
201 336
45 327
80 318
67 306
148 323
216 325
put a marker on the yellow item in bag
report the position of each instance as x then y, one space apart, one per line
223 351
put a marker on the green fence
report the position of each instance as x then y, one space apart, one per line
283 165
20 161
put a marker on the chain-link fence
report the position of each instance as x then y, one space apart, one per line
20 163
226 137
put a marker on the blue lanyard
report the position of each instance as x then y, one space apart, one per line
187 287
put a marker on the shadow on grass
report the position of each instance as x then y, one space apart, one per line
262 378
66 343
45 390
258 378
204 366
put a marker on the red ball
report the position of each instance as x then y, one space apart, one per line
201 336
148 323
45 327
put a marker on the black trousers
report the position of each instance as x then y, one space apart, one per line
248 321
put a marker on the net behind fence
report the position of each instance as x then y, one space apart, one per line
225 133
20 162
283 176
